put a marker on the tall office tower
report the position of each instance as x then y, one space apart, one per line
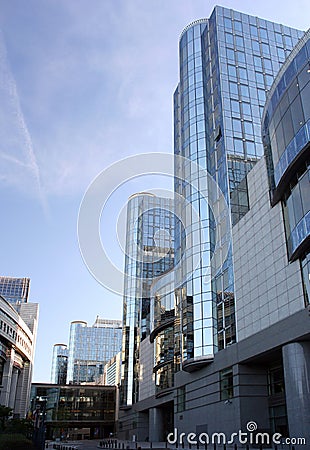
15 290
90 348
216 370
149 254
59 364
227 65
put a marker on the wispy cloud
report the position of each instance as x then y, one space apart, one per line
95 83
20 152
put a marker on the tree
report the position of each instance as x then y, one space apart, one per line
5 413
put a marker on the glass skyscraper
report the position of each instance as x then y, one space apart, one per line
227 65
90 348
214 362
59 364
149 254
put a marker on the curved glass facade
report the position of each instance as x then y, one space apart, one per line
286 132
74 332
227 64
149 254
59 364
165 333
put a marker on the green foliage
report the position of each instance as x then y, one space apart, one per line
15 442
19 426
5 413
14 433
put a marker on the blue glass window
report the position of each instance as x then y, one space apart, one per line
233 88
258 62
237 125
227 23
255 46
230 54
259 77
253 30
279 38
229 38
263 33
240 57
250 148
246 107
237 25
238 145
243 74
235 106
239 41
244 90
232 71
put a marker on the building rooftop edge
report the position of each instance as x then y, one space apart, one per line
137 194
191 24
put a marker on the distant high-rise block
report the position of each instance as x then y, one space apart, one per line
90 348
59 364
15 290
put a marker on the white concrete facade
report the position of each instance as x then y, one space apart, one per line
268 287
17 345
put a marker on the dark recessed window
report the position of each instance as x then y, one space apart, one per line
226 384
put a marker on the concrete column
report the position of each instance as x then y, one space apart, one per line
156 426
296 364
15 373
23 390
6 379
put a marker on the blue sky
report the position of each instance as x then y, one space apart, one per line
82 85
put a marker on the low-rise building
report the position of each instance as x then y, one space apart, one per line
75 412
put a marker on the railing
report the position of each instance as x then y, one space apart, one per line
64 447
129 445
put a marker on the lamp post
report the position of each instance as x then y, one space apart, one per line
38 417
